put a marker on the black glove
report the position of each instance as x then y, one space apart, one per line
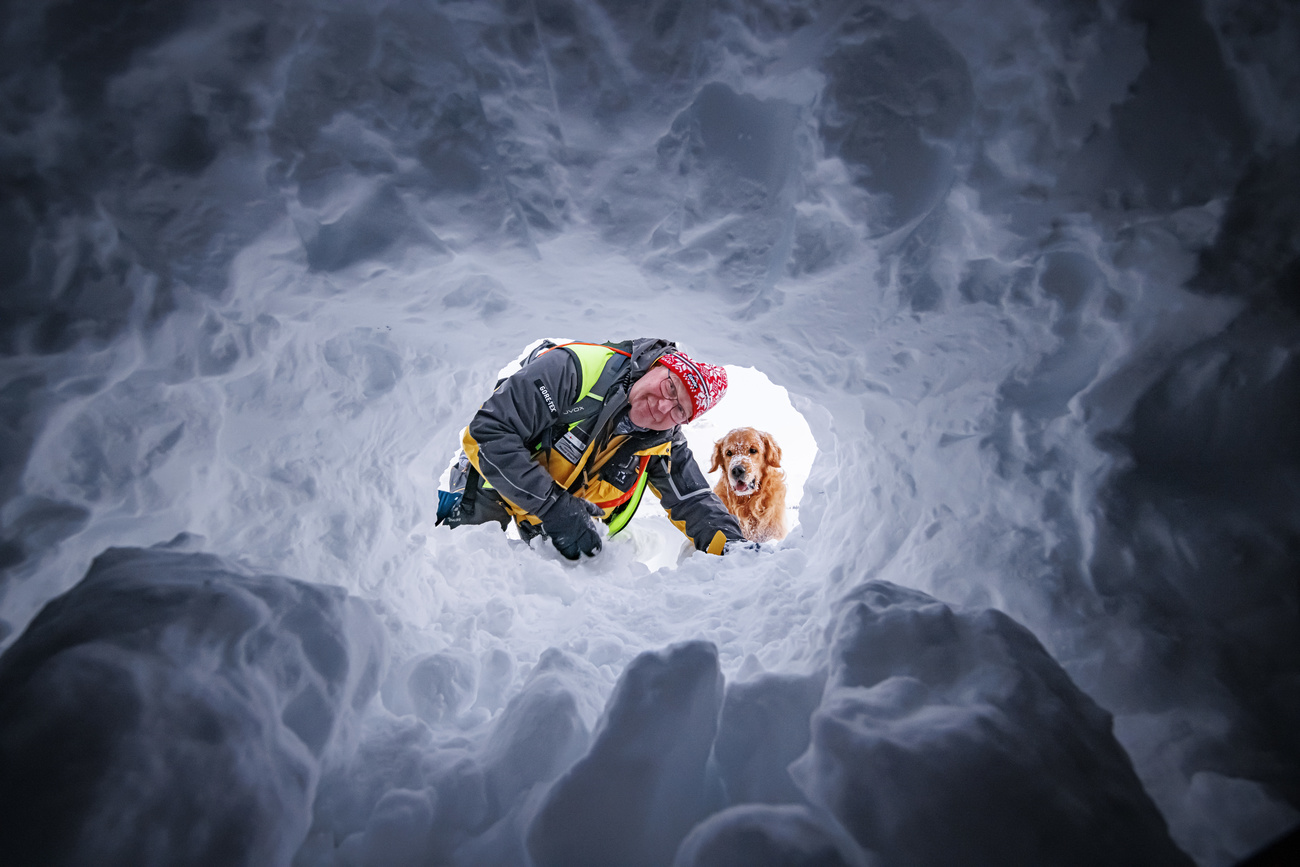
568 523
741 545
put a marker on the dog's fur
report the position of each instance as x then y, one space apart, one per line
751 460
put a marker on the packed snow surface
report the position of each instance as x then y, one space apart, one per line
1027 269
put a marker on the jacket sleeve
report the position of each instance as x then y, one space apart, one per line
691 504
518 412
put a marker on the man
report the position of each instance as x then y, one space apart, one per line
578 433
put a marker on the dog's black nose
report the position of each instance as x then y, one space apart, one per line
738 471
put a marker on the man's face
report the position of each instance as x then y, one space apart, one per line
659 400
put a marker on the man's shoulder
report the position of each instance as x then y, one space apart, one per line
553 362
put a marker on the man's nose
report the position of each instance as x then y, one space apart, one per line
738 471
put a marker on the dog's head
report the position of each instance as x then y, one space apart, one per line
745 454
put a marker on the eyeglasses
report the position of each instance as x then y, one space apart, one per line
679 414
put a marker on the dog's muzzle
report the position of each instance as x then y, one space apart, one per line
743 482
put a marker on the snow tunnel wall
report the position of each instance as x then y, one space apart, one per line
1027 269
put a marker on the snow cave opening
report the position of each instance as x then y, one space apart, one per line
752 400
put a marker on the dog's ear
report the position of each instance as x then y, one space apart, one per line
772 449
717 455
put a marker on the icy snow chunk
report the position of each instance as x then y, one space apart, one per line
737 153
498 616
477 788
605 651
32 523
939 725
1257 250
899 99
496 672
442 685
751 138
642 786
387 758
365 231
397 834
762 836
540 734
173 708
763 728
1182 131
365 358
404 793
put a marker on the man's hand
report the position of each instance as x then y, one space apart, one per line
741 545
569 524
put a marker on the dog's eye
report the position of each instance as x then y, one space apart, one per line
753 451
728 452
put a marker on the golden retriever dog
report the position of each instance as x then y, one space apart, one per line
752 486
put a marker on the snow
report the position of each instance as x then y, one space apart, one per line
1024 272
927 711
164 669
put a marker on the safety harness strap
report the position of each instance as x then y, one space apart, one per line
626 505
